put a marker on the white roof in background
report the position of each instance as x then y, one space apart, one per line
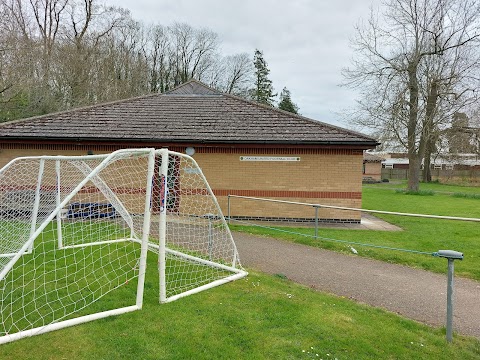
468 160
395 161
463 159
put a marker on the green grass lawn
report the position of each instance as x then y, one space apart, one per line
419 234
269 317
434 186
52 284
260 317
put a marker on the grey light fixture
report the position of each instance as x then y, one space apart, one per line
190 151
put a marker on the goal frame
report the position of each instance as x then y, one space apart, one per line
234 268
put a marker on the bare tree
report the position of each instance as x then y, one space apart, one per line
194 50
47 16
24 74
402 59
56 54
158 50
238 74
450 88
86 32
232 74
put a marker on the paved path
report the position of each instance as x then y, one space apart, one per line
415 294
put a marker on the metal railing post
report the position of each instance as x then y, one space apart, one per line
316 221
451 256
450 290
210 218
228 208
210 238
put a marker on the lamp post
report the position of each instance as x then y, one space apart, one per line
451 256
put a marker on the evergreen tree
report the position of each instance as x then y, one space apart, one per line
263 91
286 102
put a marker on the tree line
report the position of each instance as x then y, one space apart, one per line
60 54
417 67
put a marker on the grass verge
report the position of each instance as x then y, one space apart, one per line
436 187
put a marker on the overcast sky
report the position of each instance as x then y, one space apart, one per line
305 42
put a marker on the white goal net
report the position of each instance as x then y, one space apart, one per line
75 233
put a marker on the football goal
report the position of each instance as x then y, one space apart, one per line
75 232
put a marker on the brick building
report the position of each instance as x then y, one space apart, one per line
242 147
372 166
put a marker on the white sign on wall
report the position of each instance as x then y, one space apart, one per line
269 158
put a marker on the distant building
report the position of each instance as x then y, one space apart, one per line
460 136
372 166
395 163
438 162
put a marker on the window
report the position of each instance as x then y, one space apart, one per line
437 166
388 166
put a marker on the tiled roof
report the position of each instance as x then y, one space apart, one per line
192 112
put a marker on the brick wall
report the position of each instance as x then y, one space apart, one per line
324 176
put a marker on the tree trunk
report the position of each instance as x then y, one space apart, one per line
427 171
428 133
414 172
413 158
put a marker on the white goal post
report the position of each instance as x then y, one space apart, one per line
75 232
